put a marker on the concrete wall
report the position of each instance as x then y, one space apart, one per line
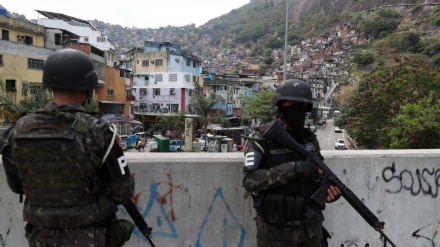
196 199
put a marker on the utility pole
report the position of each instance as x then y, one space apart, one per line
285 41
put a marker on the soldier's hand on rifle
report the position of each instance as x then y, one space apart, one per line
333 194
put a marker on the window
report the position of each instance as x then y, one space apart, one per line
145 63
147 77
194 78
5 35
35 64
101 39
173 77
143 91
156 91
172 91
110 92
121 73
58 39
1 60
10 86
194 64
158 77
188 62
188 78
86 39
159 62
28 40
190 92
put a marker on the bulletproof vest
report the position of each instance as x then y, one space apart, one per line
291 200
279 154
52 161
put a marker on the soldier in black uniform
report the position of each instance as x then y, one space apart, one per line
282 181
68 163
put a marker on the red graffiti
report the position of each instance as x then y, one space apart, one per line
169 194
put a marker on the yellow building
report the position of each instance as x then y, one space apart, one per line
22 56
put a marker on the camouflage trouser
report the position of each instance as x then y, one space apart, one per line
65 237
268 235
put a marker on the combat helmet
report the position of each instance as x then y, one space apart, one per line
69 69
296 90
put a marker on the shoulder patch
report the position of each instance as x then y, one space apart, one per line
246 146
118 141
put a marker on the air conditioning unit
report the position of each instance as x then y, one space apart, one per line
177 59
152 61
22 37
18 36
155 82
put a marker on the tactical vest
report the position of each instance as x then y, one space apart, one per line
52 161
290 202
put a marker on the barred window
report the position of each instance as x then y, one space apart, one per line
158 77
173 77
145 63
159 62
172 91
35 64
1 60
156 91
110 92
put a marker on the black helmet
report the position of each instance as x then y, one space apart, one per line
69 69
295 90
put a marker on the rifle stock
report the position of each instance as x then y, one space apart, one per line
277 134
139 221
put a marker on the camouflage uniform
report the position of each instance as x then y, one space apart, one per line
280 198
71 193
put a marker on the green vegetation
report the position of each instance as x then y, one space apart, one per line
379 23
259 107
34 98
396 106
203 107
363 57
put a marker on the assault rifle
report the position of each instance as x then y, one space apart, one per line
139 221
277 133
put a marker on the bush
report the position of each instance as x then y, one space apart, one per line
432 49
436 61
363 57
436 21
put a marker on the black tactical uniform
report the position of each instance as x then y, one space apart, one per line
68 163
281 181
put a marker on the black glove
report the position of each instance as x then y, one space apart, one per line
304 169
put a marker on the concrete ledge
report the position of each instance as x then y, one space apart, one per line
196 199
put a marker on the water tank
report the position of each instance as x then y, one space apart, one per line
3 11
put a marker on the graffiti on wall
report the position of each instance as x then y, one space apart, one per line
165 219
228 227
425 181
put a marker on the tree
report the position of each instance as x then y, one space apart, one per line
387 92
202 106
174 123
34 98
363 57
259 107
418 124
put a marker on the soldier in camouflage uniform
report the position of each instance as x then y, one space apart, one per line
280 179
68 163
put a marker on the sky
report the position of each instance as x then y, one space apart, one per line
131 13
